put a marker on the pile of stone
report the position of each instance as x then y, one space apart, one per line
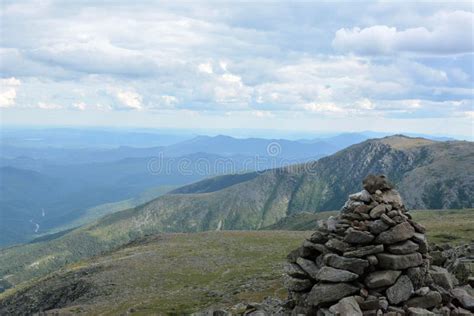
371 259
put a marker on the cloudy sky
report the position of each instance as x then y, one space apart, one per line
331 66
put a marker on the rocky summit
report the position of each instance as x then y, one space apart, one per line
373 259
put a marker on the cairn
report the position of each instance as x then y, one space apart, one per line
371 259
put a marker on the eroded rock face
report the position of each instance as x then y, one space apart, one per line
372 259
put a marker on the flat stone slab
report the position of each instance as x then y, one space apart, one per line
358 237
399 262
430 300
355 265
326 293
415 311
381 278
364 251
335 275
403 248
395 234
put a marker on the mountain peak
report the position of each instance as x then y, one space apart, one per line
400 141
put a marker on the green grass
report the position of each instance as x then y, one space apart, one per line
447 226
184 273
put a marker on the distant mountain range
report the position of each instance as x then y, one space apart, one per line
430 174
63 182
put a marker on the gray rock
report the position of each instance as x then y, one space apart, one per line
463 297
418 276
430 300
378 226
373 261
294 270
373 183
313 248
351 264
415 311
396 311
399 262
335 275
308 266
358 237
364 251
363 196
392 197
395 234
326 293
362 209
442 277
348 306
387 220
370 304
418 227
422 291
377 211
318 237
296 285
400 291
331 223
403 247
336 245
420 239
460 312
381 278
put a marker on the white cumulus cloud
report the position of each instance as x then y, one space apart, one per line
444 33
8 87
130 99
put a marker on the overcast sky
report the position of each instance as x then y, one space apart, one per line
340 66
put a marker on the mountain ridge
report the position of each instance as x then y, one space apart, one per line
434 175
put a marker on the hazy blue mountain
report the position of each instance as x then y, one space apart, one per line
428 174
